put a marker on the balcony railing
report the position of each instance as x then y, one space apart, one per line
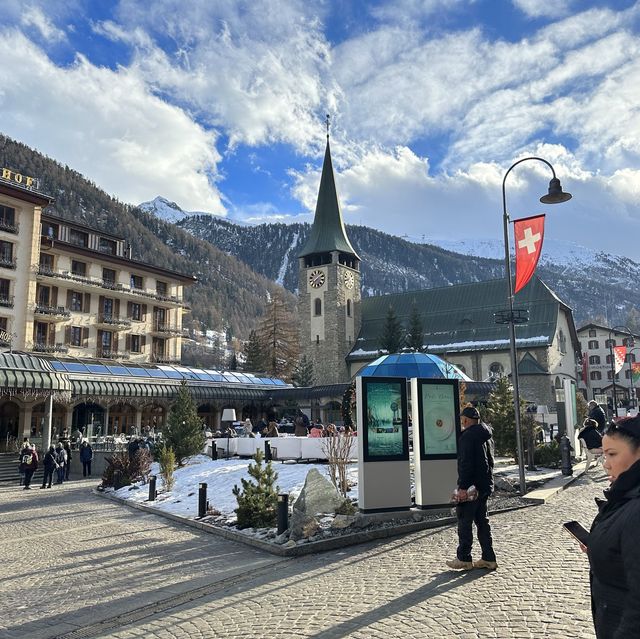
109 354
56 311
6 300
7 262
113 320
41 347
110 285
167 329
9 227
164 359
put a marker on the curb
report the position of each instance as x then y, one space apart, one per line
311 547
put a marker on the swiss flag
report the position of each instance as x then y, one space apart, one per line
529 233
619 353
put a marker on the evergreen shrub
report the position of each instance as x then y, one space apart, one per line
257 500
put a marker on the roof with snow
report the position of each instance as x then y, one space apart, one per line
461 318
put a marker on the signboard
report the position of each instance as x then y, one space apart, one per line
439 420
18 178
385 429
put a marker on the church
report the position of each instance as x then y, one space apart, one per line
340 331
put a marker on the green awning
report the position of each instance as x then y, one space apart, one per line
20 372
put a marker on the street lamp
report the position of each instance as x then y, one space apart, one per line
632 390
555 196
630 342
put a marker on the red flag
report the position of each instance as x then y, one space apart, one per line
619 353
528 233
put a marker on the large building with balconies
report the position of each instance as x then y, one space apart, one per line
74 291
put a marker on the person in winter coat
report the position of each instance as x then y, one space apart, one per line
592 440
271 430
475 468
597 413
86 457
61 458
50 463
28 464
613 549
67 465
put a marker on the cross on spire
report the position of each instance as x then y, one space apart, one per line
328 124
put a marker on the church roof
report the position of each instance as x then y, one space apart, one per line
328 232
529 365
461 318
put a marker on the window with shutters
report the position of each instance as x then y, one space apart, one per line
593 344
595 375
610 343
592 332
594 359
46 262
75 336
161 288
108 276
134 343
135 311
137 282
43 295
76 301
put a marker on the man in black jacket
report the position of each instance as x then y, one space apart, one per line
597 413
475 468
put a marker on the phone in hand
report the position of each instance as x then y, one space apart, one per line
577 531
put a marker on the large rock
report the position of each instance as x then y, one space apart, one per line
318 496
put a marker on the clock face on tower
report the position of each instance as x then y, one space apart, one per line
316 278
349 279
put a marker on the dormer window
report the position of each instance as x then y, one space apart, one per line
106 246
79 238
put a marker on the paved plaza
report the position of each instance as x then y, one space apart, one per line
77 565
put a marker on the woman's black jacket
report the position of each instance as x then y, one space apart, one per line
614 555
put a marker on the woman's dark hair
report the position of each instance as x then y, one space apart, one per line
628 429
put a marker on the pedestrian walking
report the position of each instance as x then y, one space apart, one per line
613 550
67 464
86 457
61 459
597 413
50 463
28 464
591 441
475 469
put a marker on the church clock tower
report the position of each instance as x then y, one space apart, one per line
328 286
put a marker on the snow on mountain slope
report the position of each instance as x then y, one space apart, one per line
167 211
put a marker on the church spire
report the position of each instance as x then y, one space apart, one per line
327 233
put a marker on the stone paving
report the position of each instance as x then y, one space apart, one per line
80 566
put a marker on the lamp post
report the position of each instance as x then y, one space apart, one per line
613 362
632 390
555 196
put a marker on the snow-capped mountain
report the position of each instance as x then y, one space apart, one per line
168 211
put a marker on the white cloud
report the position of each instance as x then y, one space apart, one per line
538 9
34 17
107 125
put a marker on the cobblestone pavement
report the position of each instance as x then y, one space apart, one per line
152 579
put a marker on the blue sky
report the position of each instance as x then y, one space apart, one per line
219 106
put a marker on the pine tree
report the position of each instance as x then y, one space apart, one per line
184 432
415 331
257 500
392 337
233 361
254 355
278 336
303 372
502 418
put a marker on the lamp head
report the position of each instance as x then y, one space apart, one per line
556 195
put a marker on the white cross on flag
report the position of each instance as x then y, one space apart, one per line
619 353
529 233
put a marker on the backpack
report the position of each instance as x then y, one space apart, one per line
26 460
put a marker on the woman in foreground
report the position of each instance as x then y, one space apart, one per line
614 548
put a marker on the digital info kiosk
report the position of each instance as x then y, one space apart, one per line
383 444
436 429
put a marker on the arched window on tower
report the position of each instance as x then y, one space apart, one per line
348 308
317 306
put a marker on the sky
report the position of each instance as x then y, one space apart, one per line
220 107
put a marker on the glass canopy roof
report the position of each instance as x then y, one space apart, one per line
164 372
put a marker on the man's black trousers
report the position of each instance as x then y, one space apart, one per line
470 512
